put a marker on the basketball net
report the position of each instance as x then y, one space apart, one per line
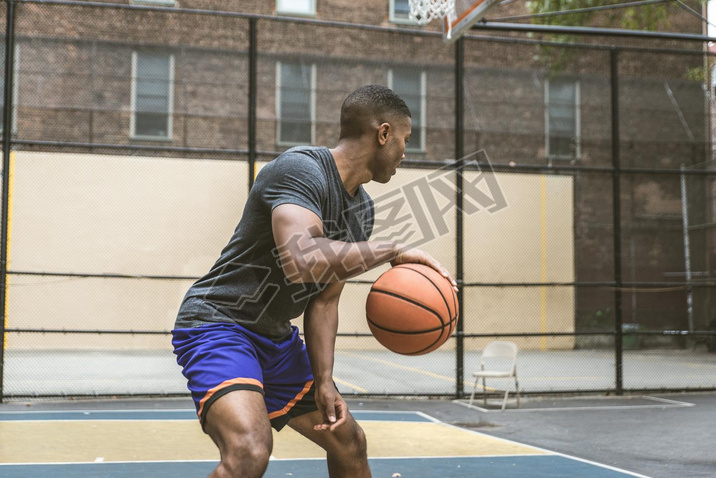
424 11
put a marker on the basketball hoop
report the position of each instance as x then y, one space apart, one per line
424 11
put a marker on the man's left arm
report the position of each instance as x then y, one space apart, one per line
321 327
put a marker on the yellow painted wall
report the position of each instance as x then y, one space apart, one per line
531 240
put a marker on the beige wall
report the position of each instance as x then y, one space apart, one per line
160 216
114 214
531 240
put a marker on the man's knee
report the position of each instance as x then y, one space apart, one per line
239 425
361 443
354 444
252 446
246 454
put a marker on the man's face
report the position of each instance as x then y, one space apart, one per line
393 152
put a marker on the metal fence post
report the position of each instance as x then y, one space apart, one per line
6 147
616 205
252 99
459 153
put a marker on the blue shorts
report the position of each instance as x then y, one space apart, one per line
220 358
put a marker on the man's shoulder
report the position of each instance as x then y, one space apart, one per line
301 157
301 163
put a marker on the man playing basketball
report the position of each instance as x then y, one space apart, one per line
304 231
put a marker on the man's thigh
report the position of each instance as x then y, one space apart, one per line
221 359
217 360
239 416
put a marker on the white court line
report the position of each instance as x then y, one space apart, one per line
89 412
600 465
548 452
272 458
427 457
667 400
55 463
428 417
68 420
396 412
193 418
666 404
422 414
86 412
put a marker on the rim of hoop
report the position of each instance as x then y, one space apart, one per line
425 11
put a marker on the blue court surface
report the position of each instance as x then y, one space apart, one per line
169 443
448 467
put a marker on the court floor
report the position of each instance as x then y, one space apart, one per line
29 373
114 443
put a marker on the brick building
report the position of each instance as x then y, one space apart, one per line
175 83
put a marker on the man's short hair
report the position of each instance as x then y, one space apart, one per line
368 104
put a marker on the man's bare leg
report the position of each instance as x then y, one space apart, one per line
346 450
239 425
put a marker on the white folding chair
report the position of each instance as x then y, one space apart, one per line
497 350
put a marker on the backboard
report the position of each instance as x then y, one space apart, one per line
467 13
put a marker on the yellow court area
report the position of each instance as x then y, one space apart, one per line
169 443
62 439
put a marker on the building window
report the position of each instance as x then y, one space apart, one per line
409 84
295 103
562 119
152 95
399 11
296 7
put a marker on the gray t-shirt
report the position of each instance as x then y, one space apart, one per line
247 285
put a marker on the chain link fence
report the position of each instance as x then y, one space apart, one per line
580 221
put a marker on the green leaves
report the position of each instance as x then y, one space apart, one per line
642 17
653 16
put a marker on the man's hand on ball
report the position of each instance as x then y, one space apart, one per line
408 255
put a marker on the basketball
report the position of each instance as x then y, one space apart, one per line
412 309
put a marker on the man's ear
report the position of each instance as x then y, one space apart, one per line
383 132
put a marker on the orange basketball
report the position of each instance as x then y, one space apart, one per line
412 309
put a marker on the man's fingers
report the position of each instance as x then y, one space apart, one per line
322 410
330 413
322 426
338 423
334 412
422 257
443 272
341 415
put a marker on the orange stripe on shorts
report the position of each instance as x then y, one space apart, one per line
233 381
293 402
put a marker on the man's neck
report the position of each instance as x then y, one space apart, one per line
352 163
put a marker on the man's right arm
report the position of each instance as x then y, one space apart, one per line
307 256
